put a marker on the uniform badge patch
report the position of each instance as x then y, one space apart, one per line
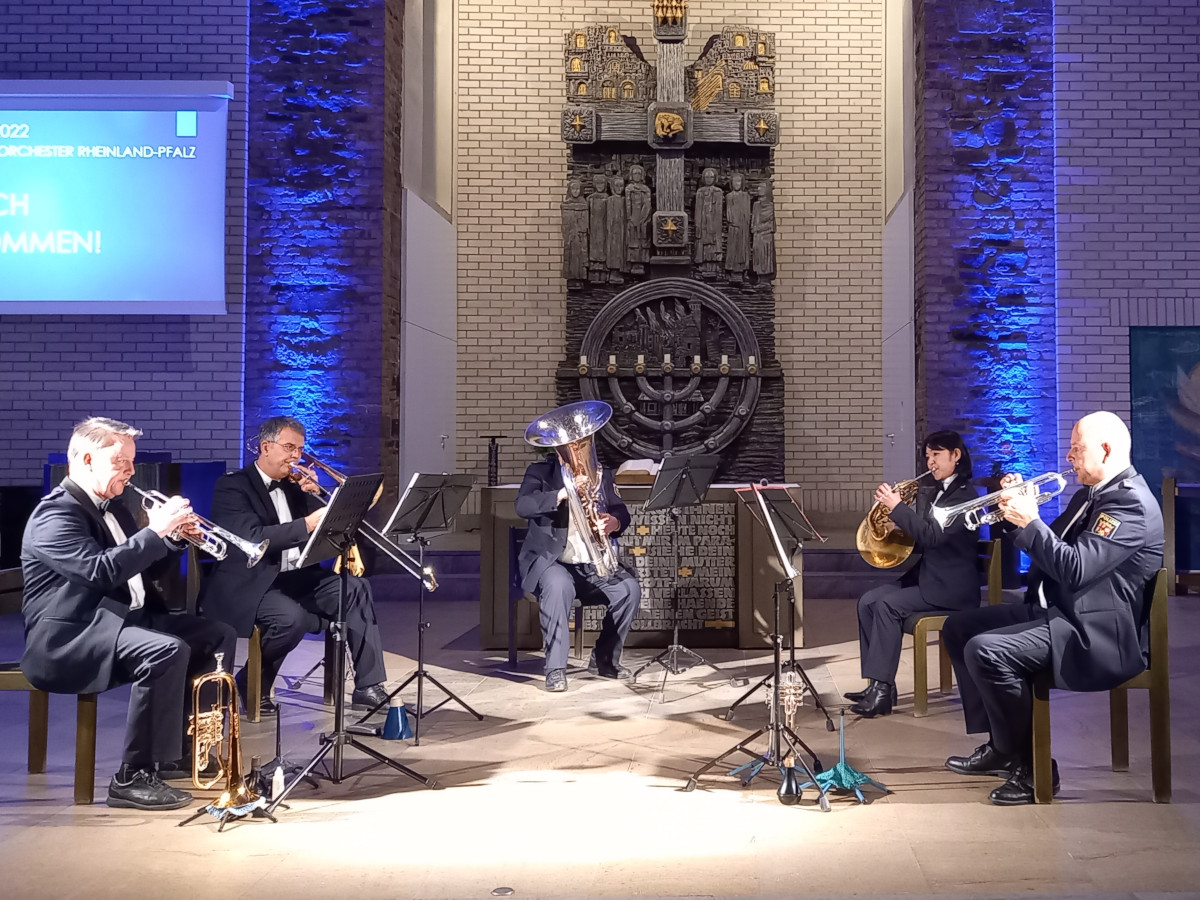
1106 525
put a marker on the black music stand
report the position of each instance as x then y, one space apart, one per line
428 504
333 537
776 509
770 506
682 481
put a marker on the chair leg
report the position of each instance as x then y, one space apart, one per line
947 669
1043 787
579 632
1118 728
1160 741
39 719
85 749
254 676
920 669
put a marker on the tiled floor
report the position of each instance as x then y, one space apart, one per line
577 795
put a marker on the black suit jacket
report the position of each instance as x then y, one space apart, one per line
948 571
242 504
76 589
537 501
1094 579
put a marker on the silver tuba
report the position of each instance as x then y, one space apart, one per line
571 430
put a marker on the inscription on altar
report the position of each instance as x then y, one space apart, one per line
704 542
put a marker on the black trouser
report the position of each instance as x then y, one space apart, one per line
996 652
161 653
881 615
560 584
297 603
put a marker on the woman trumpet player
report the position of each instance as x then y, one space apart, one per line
945 578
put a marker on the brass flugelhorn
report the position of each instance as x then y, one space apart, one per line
213 539
986 510
879 541
372 535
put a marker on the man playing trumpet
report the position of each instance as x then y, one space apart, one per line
94 618
1083 612
262 501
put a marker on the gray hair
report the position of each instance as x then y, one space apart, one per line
97 433
270 429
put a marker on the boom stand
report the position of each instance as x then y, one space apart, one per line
788 525
333 536
429 503
782 742
681 482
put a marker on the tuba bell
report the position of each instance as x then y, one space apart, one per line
571 431
880 542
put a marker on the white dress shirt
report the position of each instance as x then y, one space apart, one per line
290 557
137 587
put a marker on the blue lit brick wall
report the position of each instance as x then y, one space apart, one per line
986 233
314 315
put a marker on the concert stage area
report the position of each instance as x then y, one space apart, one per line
577 794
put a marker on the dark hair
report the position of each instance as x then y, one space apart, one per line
950 440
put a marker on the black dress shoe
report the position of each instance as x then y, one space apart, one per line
619 672
1018 790
369 697
556 681
986 760
266 706
876 701
143 789
858 695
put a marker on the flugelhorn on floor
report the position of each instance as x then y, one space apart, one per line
212 539
986 510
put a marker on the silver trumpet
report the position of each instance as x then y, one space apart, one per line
986 510
213 539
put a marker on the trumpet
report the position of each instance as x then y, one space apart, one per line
986 510
212 539
372 535
880 543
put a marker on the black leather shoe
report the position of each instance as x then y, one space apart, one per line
1018 790
876 701
143 789
266 706
619 672
858 695
369 697
556 681
986 760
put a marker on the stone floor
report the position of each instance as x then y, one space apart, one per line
577 795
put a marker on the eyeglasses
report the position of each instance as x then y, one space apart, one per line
289 449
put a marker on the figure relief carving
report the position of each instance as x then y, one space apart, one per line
762 224
708 223
575 234
615 225
668 124
737 228
638 207
598 230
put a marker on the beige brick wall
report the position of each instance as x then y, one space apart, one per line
510 179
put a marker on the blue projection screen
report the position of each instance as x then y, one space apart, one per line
112 196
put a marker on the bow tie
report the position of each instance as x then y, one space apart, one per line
103 506
275 486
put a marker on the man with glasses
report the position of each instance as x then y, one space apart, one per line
262 502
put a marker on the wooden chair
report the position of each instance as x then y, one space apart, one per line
1178 582
516 537
921 625
1154 679
11 679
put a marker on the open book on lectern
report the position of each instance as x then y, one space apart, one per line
776 509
